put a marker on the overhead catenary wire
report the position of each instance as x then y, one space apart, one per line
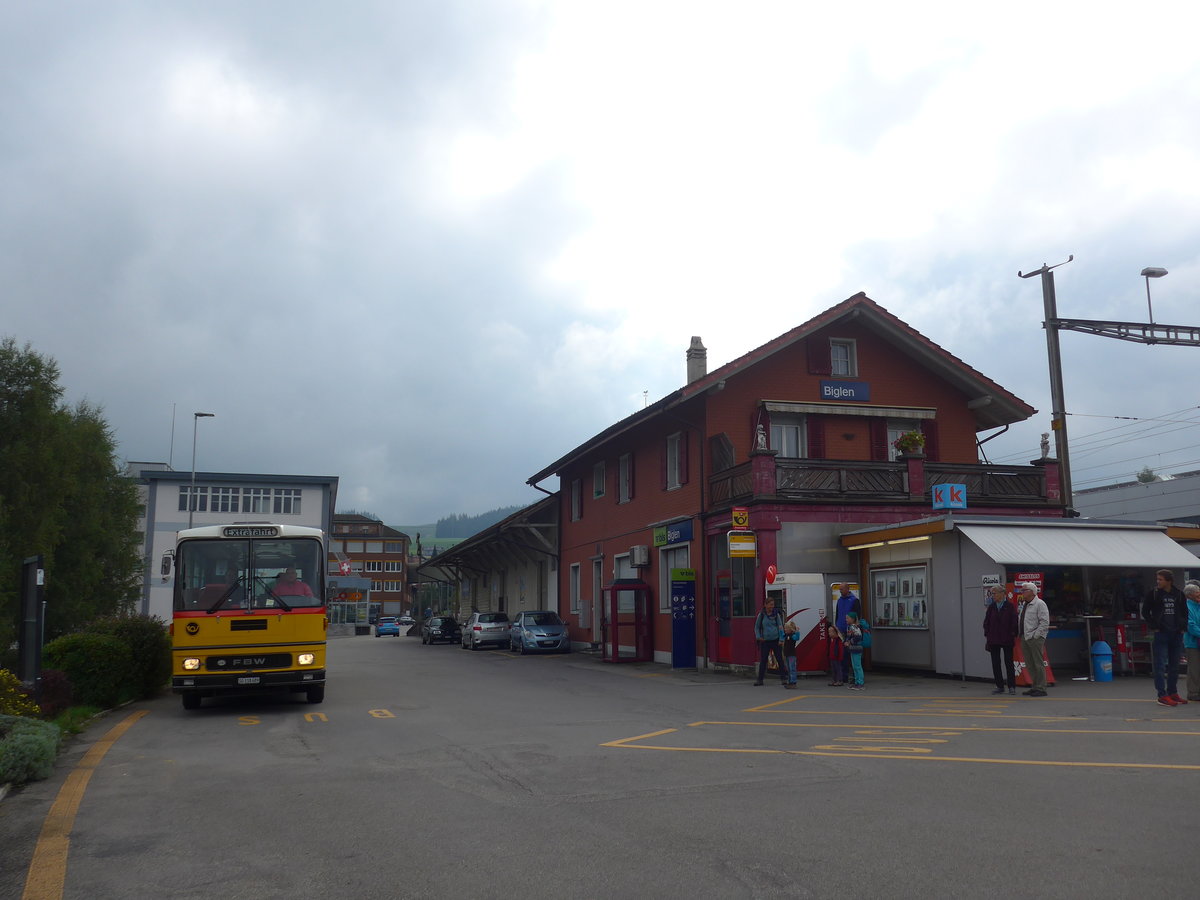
1131 430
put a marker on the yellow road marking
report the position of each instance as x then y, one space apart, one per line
908 728
967 759
48 867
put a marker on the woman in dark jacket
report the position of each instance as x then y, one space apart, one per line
1000 631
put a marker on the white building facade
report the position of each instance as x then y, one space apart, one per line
220 498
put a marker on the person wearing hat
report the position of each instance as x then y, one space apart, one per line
1034 618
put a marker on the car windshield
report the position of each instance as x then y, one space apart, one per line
387 620
546 618
493 617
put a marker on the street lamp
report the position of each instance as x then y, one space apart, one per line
1151 272
196 417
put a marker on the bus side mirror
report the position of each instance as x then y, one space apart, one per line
165 569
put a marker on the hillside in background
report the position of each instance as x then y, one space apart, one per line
448 531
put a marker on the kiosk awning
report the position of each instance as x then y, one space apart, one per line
1057 546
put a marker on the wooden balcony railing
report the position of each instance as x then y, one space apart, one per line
766 477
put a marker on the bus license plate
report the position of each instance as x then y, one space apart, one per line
251 680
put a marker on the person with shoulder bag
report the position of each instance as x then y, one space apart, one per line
768 631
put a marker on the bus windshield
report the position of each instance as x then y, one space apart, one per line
221 574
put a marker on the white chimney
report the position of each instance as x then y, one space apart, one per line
697 361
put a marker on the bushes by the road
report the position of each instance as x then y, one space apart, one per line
149 646
99 667
13 699
28 749
115 659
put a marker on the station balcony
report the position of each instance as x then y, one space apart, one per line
769 478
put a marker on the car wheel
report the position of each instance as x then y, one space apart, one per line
524 650
191 701
316 693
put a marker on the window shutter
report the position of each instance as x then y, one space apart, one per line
879 434
663 461
683 457
820 357
815 428
632 468
929 429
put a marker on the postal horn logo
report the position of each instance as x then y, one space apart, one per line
193 627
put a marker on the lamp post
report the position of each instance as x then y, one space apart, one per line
196 417
1151 272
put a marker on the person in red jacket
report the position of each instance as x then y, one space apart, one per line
1000 632
837 655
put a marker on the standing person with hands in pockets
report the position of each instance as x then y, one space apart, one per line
768 631
1033 626
1000 632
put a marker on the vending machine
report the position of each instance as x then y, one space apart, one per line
801 596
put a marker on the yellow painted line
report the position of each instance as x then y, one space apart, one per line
946 729
965 759
929 714
834 695
48 867
624 741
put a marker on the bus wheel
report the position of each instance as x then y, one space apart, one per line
316 693
191 701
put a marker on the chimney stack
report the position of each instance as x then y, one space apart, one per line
697 361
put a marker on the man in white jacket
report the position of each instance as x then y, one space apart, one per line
1034 618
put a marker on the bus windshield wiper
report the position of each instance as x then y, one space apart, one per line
274 596
228 592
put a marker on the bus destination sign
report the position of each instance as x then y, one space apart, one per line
250 531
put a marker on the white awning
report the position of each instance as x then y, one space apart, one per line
1079 545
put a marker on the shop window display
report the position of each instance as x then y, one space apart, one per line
899 597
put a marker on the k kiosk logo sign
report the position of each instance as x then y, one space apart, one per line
949 496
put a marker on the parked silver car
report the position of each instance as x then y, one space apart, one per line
540 629
485 628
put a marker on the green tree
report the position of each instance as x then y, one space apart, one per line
62 496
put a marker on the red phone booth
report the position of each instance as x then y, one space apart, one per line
627 628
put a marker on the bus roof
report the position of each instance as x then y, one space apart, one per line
281 531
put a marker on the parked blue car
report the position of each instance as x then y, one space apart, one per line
539 630
387 625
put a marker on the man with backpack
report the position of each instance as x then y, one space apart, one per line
768 631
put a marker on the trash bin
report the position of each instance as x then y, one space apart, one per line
1102 661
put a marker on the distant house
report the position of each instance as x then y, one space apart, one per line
795 441
362 547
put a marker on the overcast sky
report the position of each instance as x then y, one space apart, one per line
429 247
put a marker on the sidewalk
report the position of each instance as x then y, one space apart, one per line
893 682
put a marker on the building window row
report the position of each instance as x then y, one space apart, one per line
261 501
674 475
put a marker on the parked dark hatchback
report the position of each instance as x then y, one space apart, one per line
440 628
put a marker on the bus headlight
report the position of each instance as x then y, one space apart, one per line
191 664
306 659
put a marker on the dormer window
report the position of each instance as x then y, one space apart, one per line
843 358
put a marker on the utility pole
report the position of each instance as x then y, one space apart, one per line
1058 413
1136 332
